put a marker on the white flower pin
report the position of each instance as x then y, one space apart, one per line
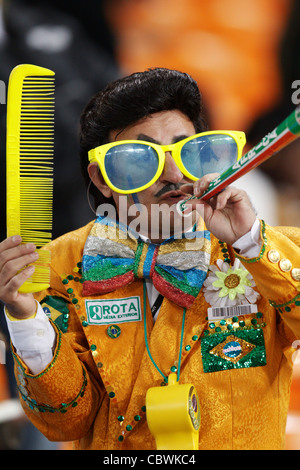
229 285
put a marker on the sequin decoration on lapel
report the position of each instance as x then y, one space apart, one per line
241 349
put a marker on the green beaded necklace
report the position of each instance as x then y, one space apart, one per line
147 345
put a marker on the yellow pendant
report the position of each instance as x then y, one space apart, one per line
173 415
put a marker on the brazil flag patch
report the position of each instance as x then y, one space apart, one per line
228 350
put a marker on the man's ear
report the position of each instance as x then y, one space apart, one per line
98 180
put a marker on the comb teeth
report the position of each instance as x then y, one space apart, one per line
30 149
36 158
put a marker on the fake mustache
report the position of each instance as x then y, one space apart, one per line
173 187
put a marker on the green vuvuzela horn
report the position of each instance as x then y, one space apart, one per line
285 133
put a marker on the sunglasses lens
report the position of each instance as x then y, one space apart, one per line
209 154
131 166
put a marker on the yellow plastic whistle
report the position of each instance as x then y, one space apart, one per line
173 415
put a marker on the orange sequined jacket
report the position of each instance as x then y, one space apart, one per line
93 391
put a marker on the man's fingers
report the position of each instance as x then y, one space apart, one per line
12 267
11 251
10 242
9 293
231 195
15 257
17 281
202 184
14 270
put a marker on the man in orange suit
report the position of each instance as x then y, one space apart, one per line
213 298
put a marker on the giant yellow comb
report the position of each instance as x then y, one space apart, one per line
29 163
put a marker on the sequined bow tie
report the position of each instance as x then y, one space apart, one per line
113 258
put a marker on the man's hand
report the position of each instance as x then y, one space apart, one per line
14 271
229 215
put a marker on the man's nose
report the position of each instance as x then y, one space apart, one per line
171 171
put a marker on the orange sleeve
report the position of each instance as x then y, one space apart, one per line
276 272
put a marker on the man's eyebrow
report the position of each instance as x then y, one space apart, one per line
179 138
147 138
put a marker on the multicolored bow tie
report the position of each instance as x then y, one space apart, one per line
113 257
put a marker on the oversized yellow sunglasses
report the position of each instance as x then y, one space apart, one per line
129 166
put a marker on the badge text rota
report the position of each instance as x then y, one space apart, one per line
173 415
